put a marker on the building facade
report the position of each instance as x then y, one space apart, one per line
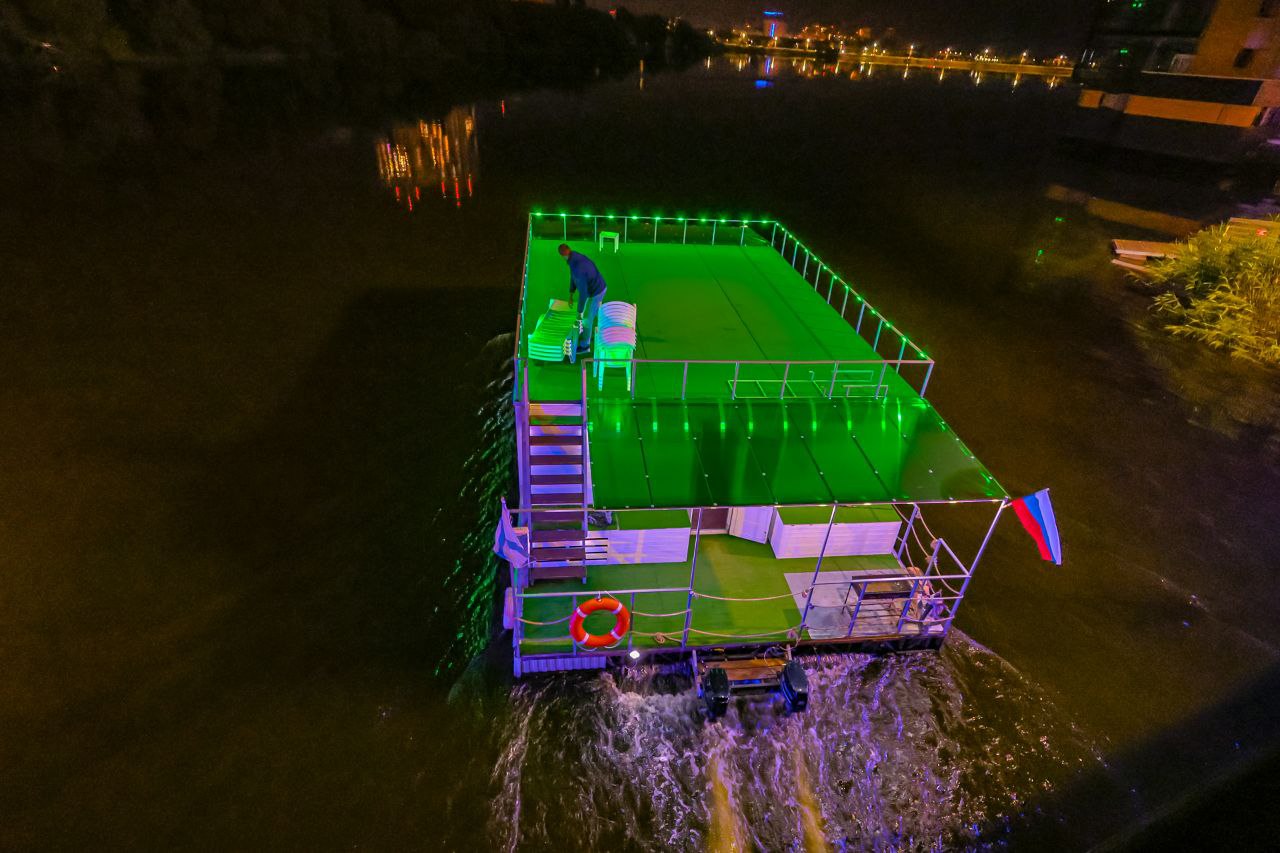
1191 78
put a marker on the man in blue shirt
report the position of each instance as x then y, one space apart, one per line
586 280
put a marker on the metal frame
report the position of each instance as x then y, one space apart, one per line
825 389
935 593
741 227
935 589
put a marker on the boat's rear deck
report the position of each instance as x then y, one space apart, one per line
729 568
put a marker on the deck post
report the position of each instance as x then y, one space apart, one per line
795 250
861 311
655 230
907 607
684 235
684 383
876 344
884 368
902 350
782 249
693 567
906 533
835 371
977 557
624 229
857 608
927 374
773 235
522 448
845 301
517 630
742 240
813 586
564 227
733 392
783 393
631 634
713 232
595 230
804 273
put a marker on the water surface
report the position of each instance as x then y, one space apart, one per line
254 433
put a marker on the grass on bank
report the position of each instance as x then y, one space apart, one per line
1223 291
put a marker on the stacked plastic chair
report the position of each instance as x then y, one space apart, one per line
556 334
615 340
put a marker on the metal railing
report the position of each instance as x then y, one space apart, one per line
756 379
891 345
910 602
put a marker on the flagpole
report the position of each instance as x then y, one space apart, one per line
981 548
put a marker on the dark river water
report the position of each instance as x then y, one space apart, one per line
254 435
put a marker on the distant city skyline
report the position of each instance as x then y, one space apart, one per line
1008 24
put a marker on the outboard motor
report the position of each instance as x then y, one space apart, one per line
795 686
715 692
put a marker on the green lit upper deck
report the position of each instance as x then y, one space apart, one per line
760 376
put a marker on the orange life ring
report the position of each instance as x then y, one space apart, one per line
621 625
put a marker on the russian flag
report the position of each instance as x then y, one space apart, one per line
507 543
1036 514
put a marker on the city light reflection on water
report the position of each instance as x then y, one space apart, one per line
443 154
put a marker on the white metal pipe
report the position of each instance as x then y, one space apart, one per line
808 602
693 568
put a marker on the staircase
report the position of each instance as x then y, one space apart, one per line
561 546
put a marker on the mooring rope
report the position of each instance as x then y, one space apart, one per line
741 636
554 622
765 598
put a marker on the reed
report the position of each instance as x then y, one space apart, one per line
1223 291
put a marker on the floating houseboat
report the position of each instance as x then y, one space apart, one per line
747 472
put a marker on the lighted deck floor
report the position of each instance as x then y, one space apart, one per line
756 453
702 302
727 567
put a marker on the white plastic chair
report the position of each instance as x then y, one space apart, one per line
618 314
615 347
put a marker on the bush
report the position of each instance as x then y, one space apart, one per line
1224 292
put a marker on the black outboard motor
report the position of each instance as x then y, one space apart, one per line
795 686
715 692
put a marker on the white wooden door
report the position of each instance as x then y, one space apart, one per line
750 522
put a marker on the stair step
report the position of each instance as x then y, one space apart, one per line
552 468
555 573
563 553
555 459
557 535
574 430
551 479
557 489
581 564
555 420
558 409
555 441
553 516
554 499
